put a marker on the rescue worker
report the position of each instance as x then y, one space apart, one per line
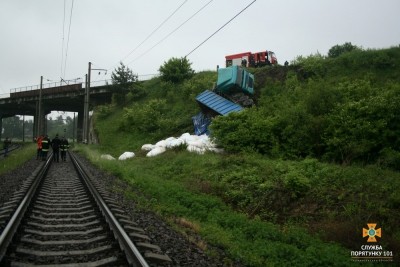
45 147
244 62
64 145
39 146
55 145
6 145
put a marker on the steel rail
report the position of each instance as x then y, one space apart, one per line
11 148
132 253
12 226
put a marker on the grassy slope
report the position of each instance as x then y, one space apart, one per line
17 157
182 187
251 205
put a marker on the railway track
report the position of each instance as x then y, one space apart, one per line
12 148
60 217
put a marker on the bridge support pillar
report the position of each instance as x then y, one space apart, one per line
39 121
79 130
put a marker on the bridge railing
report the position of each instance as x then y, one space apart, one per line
99 83
144 77
62 83
37 86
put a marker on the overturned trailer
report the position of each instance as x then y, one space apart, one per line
233 92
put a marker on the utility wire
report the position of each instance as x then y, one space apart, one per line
151 34
220 28
62 46
169 34
69 32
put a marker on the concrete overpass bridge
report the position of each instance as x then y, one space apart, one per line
40 102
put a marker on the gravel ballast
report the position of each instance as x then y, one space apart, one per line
176 245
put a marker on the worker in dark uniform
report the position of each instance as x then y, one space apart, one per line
244 62
45 146
55 145
64 145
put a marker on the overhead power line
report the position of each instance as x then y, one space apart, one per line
220 28
69 32
169 34
151 34
62 46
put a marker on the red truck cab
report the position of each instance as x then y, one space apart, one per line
253 60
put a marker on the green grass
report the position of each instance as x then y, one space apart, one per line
179 185
275 209
17 157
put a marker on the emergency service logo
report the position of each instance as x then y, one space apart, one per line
371 232
372 251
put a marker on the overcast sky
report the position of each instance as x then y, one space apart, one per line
34 34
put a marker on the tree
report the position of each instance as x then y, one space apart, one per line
337 50
56 126
176 70
123 75
122 78
12 127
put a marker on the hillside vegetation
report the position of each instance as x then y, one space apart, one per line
304 170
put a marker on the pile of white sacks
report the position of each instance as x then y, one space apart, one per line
124 156
194 143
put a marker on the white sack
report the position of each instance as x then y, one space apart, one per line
175 142
186 137
107 156
161 143
195 149
126 155
156 151
148 147
217 150
196 143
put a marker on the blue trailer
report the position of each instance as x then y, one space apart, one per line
232 93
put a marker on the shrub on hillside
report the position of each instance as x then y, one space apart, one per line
390 158
245 131
353 120
147 117
198 83
313 65
338 50
176 70
104 111
359 127
362 60
136 92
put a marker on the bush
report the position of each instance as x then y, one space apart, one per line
338 50
313 65
176 70
335 117
104 111
148 117
359 126
136 92
389 157
244 131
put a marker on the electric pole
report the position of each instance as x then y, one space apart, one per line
87 102
39 122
